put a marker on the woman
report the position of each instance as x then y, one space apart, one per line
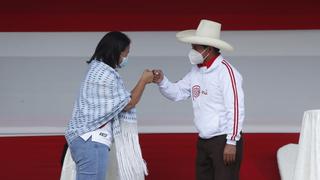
104 112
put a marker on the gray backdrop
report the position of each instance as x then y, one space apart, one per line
40 74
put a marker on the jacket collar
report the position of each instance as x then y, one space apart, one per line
214 65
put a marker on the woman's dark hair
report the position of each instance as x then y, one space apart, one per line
110 47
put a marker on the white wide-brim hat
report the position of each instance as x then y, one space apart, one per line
207 33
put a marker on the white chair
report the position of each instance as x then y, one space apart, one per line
302 161
287 157
68 171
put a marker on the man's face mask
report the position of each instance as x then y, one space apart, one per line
195 57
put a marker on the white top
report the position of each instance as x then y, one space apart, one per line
217 98
102 135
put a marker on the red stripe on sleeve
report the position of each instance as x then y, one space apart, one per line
235 97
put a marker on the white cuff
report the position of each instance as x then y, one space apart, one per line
231 142
163 82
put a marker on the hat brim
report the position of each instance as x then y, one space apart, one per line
189 36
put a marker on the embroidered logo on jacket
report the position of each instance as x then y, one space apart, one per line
195 91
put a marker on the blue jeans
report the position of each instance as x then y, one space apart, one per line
91 159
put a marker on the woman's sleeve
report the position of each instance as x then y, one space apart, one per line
115 96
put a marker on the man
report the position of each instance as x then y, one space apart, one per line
218 102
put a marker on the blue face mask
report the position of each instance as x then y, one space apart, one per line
124 62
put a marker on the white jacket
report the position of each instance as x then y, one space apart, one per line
217 98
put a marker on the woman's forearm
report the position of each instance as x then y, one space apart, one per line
136 94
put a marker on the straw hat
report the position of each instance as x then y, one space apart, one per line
207 33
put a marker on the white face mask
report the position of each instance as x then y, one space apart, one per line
195 57
124 62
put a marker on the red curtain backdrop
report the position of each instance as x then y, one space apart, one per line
169 156
158 15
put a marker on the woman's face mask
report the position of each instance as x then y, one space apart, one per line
124 55
124 62
195 57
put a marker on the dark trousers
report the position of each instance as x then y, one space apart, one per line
209 162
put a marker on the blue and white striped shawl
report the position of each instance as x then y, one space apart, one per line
101 99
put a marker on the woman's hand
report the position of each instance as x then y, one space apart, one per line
147 76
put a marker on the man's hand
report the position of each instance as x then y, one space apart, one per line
229 154
158 76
